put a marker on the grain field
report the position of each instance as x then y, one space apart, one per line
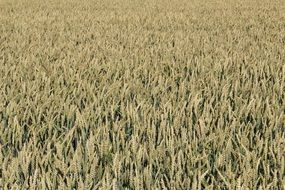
154 94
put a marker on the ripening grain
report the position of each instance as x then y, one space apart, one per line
142 94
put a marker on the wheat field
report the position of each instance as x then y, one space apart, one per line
129 94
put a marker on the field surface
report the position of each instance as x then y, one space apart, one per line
129 94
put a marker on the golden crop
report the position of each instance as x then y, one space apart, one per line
153 94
